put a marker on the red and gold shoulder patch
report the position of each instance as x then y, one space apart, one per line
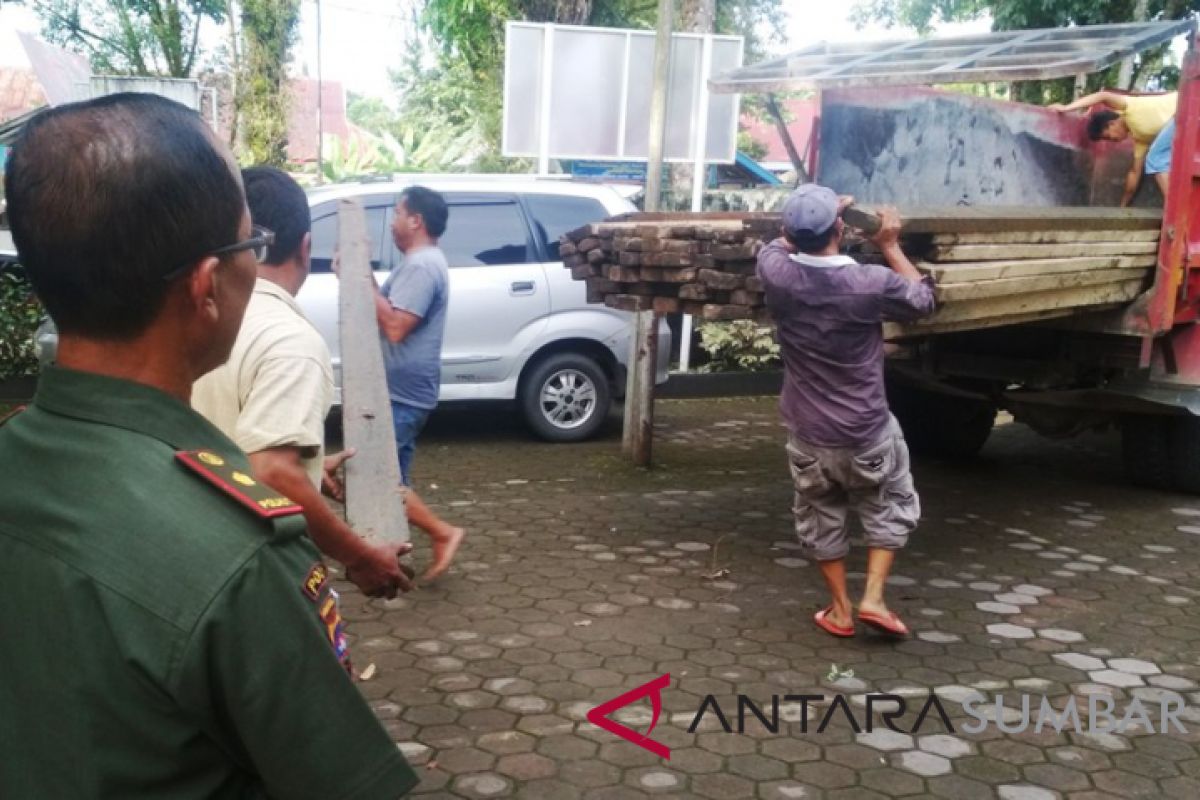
9 415
258 497
315 581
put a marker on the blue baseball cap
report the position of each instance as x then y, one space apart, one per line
811 210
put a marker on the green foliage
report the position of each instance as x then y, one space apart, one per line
457 87
20 314
268 33
131 37
751 146
741 345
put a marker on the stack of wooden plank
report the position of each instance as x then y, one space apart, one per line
993 266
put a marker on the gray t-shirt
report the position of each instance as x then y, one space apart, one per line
420 285
829 312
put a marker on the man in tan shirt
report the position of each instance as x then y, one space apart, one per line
272 395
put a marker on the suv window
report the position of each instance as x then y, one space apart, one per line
485 233
554 215
325 236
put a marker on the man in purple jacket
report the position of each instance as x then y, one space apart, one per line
844 446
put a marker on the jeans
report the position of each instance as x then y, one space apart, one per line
407 422
1158 157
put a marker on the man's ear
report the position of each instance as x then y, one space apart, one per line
202 287
306 249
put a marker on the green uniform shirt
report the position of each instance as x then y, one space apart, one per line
159 638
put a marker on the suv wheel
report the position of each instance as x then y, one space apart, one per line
565 397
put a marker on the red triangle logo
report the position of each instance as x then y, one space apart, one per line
599 715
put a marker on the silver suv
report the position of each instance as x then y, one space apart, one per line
519 328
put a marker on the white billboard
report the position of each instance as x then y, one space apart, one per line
582 92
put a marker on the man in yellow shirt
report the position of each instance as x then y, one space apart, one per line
1148 119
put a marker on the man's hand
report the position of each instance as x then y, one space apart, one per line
379 572
331 483
1059 107
844 202
888 235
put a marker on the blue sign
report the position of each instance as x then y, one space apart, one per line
610 170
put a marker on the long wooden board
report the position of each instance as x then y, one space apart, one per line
1047 237
975 290
1001 219
992 252
995 270
893 331
374 501
1068 298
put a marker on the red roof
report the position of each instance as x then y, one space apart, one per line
801 115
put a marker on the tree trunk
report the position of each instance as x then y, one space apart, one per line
572 12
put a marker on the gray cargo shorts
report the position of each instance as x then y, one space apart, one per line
875 481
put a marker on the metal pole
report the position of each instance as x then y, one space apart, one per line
320 105
639 387
547 87
699 178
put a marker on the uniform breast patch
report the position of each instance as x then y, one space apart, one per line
335 628
258 497
314 582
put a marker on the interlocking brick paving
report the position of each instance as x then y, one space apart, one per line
1037 571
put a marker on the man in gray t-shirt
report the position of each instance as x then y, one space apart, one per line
411 311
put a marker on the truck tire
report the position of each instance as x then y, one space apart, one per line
941 425
1183 450
565 397
1148 458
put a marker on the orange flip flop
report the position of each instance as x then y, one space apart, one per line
833 630
889 624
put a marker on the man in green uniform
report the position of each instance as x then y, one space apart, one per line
169 630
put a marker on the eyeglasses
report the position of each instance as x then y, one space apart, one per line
260 240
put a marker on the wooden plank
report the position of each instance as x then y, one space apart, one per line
975 290
1068 298
993 270
1047 237
639 394
992 252
893 331
374 499
999 219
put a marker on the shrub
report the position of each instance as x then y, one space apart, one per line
741 345
20 313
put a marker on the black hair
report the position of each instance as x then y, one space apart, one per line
1098 122
810 243
277 202
430 205
107 196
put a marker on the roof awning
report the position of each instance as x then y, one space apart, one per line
981 58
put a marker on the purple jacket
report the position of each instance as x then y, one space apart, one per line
829 312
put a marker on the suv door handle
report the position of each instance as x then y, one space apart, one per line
521 287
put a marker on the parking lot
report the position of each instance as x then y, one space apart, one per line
1037 572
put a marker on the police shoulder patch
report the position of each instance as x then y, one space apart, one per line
259 498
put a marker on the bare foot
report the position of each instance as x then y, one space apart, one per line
445 545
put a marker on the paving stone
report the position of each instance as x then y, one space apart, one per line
925 764
1008 631
483 784
1060 635
1023 791
1079 661
1112 677
886 740
945 745
526 766
1134 666
1057 777
823 774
